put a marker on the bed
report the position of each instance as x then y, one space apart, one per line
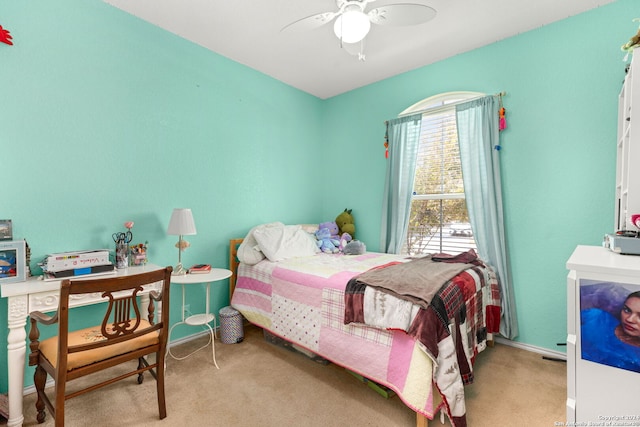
423 351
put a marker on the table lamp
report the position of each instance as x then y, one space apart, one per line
181 224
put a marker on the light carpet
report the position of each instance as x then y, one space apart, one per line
262 384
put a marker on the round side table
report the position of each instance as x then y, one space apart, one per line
202 319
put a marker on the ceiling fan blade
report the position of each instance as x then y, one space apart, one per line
310 22
401 14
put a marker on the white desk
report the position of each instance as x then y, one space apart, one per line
202 319
31 295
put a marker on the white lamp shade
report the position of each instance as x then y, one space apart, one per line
352 26
181 222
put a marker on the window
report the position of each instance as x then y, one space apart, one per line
439 221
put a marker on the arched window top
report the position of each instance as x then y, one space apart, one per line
440 100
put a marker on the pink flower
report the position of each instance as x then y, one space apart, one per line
128 225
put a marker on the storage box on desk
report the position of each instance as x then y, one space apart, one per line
77 259
231 330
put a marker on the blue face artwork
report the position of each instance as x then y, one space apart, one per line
7 263
610 324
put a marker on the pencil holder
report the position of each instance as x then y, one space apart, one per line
122 255
138 255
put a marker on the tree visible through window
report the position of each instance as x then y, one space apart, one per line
439 221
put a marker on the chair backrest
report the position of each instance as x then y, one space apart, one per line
123 316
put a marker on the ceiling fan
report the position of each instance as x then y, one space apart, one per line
352 23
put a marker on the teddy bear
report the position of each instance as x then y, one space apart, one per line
325 242
334 231
633 42
354 247
345 238
346 223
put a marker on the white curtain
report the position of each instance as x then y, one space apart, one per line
479 140
404 139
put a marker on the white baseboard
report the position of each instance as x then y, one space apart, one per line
531 348
191 337
500 340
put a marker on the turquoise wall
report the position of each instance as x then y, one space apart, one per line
106 119
558 157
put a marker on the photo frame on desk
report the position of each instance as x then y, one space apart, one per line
6 229
12 261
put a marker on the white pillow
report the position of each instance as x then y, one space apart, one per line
249 252
310 228
281 242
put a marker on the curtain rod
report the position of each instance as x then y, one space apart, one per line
447 106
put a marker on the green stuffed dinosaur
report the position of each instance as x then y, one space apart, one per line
346 223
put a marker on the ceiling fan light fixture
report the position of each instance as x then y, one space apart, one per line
352 26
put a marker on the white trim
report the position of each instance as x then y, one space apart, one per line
190 337
439 102
500 340
531 348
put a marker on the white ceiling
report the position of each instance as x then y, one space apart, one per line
248 32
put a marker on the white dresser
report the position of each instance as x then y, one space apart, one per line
596 392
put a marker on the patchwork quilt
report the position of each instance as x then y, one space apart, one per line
302 300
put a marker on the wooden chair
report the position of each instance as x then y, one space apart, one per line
123 336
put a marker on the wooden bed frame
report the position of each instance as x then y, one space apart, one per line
421 420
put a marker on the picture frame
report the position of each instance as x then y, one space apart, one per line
12 261
609 324
6 229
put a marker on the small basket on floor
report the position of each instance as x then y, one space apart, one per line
231 330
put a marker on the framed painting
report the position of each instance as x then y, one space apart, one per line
610 323
12 261
6 229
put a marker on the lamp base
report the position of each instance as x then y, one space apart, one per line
179 270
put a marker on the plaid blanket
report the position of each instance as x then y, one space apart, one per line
450 314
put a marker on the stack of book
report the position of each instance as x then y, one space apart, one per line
200 269
77 263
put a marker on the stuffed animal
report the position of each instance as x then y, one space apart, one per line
333 229
633 42
344 239
346 224
354 247
325 242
